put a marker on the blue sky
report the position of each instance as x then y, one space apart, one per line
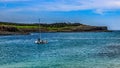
91 12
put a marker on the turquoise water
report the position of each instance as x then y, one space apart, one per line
64 50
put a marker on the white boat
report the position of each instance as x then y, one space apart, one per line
39 40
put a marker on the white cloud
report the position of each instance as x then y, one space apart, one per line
98 6
99 11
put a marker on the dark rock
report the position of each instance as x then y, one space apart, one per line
89 28
10 30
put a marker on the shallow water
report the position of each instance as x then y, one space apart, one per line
64 50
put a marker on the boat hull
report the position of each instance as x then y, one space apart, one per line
41 42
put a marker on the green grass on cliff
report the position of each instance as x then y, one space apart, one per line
54 26
19 26
49 27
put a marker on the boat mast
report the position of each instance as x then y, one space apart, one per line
39 29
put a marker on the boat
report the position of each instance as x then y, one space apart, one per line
39 40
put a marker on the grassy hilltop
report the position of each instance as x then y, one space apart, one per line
54 27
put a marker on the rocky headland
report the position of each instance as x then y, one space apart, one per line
15 29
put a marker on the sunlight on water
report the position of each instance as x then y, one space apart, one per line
64 50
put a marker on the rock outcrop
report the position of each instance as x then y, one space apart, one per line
10 30
90 28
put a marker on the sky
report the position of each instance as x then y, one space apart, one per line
90 12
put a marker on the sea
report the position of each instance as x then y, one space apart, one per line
63 50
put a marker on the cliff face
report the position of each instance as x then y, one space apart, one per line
90 28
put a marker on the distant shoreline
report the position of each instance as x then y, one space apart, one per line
19 29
